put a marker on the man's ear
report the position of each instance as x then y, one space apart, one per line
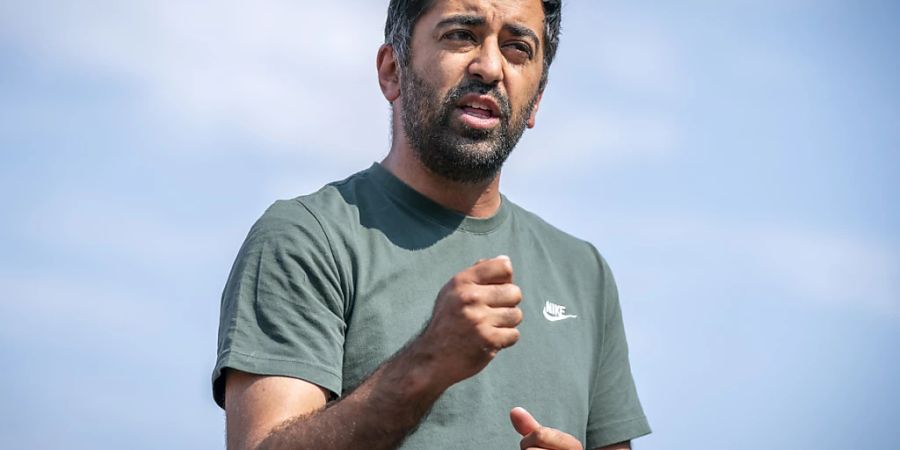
388 73
534 111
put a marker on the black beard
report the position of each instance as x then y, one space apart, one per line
458 153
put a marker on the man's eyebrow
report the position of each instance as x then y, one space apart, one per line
462 19
476 21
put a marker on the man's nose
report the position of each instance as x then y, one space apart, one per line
488 63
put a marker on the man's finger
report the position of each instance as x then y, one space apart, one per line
523 422
506 317
505 337
502 295
492 271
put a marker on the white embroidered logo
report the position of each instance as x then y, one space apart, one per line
554 312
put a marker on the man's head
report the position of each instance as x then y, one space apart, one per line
469 75
403 14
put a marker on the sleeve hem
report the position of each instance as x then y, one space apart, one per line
313 373
615 432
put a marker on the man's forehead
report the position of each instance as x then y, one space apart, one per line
529 13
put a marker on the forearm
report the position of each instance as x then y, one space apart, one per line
474 317
378 414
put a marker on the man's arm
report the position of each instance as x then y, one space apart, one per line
274 413
255 404
474 317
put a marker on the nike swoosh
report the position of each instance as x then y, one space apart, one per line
558 318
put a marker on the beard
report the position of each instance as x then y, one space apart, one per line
451 149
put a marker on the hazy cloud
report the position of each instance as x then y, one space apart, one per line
819 267
284 72
583 139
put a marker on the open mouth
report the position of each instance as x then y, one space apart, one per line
479 111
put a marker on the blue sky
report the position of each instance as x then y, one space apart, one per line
736 162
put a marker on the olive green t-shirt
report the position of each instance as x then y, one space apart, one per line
328 286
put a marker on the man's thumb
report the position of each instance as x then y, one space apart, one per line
523 422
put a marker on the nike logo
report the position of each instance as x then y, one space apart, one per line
554 312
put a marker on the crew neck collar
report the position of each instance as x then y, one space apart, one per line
434 211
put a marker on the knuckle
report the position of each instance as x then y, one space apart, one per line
451 289
473 315
488 338
457 280
470 296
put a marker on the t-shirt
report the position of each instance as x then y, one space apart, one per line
328 286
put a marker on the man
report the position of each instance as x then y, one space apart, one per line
339 327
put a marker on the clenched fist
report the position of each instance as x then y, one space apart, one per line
475 316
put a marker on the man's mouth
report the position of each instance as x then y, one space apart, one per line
479 111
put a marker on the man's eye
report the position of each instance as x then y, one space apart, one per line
521 49
459 35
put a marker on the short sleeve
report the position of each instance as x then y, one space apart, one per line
615 410
282 310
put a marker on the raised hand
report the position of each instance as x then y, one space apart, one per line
474 317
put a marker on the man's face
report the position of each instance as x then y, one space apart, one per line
472 85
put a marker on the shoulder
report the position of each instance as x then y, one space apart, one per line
283 220
333 203
549 235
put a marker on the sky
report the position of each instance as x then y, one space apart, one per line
736 162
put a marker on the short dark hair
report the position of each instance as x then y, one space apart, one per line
402 16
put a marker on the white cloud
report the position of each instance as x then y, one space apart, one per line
594 138
623 47
830 267
285 72
115 231
814 266
73 307
637 56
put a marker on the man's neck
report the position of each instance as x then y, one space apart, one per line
472 199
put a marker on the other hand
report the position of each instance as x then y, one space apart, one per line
537 437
